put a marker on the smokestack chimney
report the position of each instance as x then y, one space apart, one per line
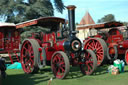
71 17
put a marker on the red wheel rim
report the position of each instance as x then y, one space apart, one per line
58 65
87 64
95 46
27 57
126 57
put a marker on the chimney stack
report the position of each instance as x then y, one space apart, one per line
71 17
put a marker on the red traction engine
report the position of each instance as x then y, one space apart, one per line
59 48
110 41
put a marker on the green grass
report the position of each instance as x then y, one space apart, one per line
75 77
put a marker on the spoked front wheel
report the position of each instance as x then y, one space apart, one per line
88 62
60 64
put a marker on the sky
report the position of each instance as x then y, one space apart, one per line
97 9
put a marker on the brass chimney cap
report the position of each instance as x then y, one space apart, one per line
71 7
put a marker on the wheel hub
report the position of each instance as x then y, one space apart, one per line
58 65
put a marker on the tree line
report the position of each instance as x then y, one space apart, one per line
16 11
108 18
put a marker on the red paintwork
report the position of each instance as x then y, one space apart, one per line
59 45
99 36
51 45
58 34
40 49
9 39
116 38
124 44
1 39
113 37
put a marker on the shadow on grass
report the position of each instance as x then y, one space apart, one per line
101 70
44 75
74 73
25 79
48 69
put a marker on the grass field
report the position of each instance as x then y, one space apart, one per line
75 77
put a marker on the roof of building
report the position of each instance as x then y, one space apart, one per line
100 25
87 19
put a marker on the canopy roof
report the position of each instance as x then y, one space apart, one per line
100 26
46 22
7 25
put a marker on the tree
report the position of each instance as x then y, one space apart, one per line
22 10
16 11
107 18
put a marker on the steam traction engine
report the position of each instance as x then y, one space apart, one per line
109 41
59 48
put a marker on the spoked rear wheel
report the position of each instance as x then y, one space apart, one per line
29 56
99 47
88 62
60 64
